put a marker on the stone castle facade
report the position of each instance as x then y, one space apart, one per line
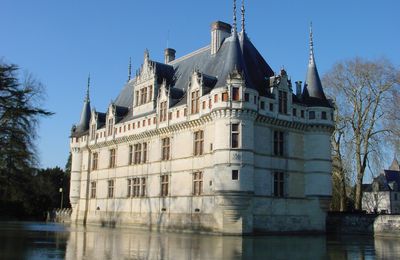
213 141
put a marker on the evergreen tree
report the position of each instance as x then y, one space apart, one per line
19 113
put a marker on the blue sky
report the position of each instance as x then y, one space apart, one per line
60 42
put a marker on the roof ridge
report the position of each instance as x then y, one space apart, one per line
190 55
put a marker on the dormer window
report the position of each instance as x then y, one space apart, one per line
323 115
137 98
110 126
93 132
311 115
143 96
246 97
195 102
235 94
150 93
163 111
225 97
282 102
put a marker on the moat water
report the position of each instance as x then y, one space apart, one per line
35 240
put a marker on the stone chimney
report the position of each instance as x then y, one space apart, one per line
298 88
219 31
169 55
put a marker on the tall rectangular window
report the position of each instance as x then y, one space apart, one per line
138 152
130 154
143 96
112 158
136 97
195 102
235 94
144 152
282 102
163 111
143 191
279 184
278 143
235 136
136 187
197 183
110 126
150 93
129 188
93 132
198 142
164 185
110 193
95 161
93 190
165 150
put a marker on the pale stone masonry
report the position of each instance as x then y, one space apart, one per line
213 141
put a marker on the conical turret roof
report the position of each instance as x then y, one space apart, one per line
85 114
313 90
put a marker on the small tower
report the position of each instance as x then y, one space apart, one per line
76 153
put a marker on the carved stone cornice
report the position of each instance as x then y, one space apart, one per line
154 132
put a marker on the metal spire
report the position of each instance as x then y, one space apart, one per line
243 16
87 89
234 27
312 60
129 69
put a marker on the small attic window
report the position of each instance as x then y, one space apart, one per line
262 105
225 96
246 97
311 115
323 115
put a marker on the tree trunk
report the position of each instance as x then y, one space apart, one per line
343 195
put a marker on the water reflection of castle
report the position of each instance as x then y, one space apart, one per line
106 243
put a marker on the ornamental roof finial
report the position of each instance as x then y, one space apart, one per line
234 25
129 69
87 89
243 16
311 61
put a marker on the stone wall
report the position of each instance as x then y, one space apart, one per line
387 225
365 224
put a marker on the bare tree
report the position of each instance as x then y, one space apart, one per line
362 91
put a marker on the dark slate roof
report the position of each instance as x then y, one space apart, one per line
313 93
84 121
125 98
384 182
236 53
393 176
101 119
